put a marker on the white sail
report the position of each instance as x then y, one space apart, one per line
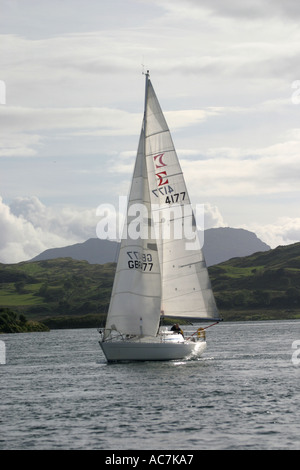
158 271
136 295
186 289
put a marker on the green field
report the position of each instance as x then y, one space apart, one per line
53 291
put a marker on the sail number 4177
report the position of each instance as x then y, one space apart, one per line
176 197
170 198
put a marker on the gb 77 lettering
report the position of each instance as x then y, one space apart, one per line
140 261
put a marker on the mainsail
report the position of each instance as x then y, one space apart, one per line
161 268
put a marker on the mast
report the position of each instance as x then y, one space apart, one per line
146 97
147 82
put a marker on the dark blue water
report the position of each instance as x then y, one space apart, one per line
57 392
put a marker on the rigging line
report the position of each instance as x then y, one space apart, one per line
136 293
180 273
155 133
189 264
184 256
205 328
166 242
176 205
149 154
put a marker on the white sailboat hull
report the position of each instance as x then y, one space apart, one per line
122 351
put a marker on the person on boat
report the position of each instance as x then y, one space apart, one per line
176 329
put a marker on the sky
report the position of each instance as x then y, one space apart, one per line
71 104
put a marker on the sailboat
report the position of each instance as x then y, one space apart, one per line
161 271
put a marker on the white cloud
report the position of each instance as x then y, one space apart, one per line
284 231
19 123
247 11
213 217
253 171
106 120
18 144
28 227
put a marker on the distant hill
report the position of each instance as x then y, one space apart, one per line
220 244
67 293
94 250
224 243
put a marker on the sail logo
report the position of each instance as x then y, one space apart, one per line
159 159
162 175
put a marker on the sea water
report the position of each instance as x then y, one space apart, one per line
58 392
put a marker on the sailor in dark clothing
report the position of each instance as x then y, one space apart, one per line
176 329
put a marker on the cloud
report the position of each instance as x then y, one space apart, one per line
180 38
247 11
30 131
233 171
28 227
189 117
284 231
213 217
18 144
72 16
106 120
24 130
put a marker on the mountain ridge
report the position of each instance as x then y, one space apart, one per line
220 244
